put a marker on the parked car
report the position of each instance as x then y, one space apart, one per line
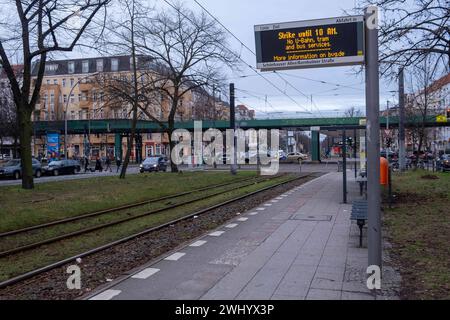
155 163
443 162
5 157
392 154
58 167
13 169
296 157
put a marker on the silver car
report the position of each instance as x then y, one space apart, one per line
13 169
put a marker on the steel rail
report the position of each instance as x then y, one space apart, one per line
113 223
60 263
109 210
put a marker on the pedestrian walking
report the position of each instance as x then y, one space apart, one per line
118 163
108 163
98 165
86 163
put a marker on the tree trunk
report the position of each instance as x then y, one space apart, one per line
25 148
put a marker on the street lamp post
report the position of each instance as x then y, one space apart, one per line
66 155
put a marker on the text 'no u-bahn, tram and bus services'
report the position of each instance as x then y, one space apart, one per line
330 41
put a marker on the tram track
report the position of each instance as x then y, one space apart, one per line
170 223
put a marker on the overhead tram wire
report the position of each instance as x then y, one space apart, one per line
303 94
237 56
250 50
248 65
323 81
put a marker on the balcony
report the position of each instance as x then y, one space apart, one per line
86 86
85 104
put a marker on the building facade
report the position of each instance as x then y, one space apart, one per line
87 89
9 133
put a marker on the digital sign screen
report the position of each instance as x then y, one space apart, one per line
312 43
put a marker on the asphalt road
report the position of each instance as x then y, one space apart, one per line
134 169
81 175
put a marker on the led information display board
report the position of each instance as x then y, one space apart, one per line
312 43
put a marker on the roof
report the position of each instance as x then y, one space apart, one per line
61 67
438 84
18 68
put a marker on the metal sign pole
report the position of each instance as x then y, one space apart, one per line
401 124
344 167
373 137
233 168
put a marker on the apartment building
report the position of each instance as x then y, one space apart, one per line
437 103
77 88
9 140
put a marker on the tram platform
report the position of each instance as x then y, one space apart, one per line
299 245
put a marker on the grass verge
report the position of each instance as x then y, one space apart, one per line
44 255
419 229
57 200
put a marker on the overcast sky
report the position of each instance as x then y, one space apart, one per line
240 16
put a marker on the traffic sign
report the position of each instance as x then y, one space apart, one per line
311 43
441 118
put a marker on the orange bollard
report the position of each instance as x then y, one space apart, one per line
384 171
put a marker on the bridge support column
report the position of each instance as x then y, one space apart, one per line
315 146
118 145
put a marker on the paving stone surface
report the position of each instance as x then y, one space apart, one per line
270 255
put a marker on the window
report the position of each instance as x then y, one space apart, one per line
158 149
71 67
79 97
100 65
149 151
65 98
85 66
71 82
55 81
51 67
48 81
72 115
72 98
63 82
114 64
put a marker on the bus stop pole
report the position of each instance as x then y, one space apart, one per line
373 138
354 153
344 166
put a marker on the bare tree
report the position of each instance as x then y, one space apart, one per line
420 101
8 119
303 141
352 112
123 91
34 29
411 30
191 50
